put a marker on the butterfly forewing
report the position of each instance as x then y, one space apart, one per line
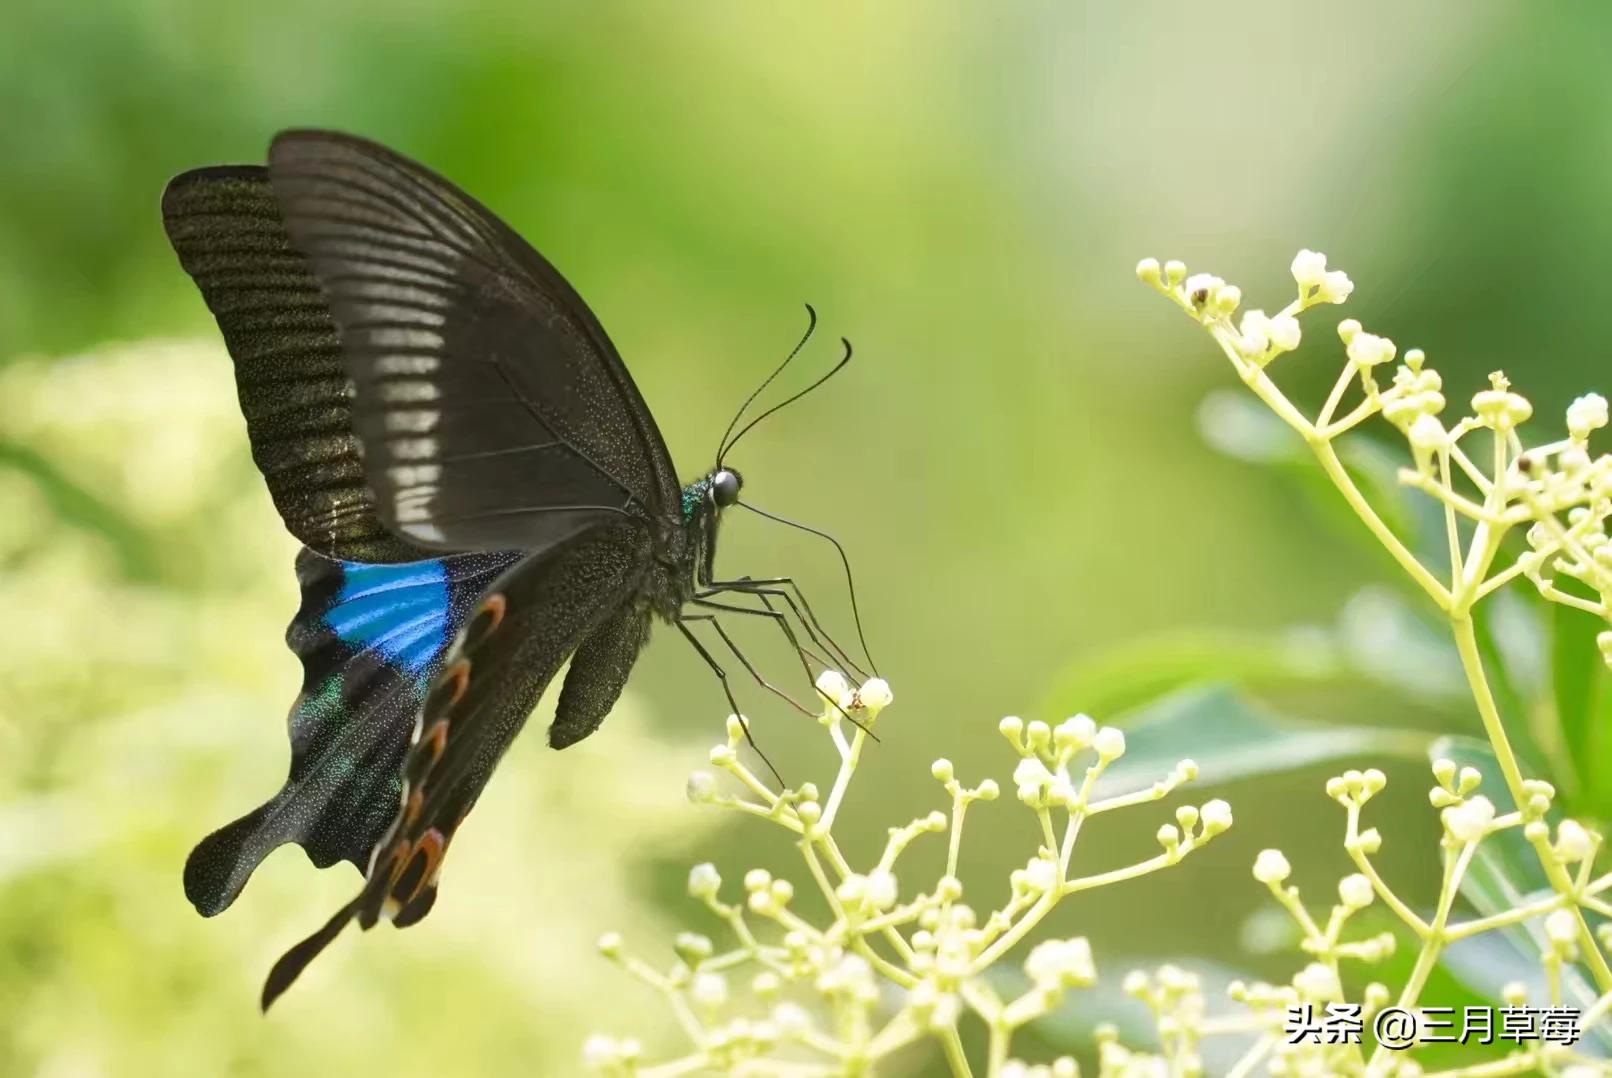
520 632
224 223
493 410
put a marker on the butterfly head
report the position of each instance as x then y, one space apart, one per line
711 493
725 484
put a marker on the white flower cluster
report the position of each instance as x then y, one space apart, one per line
1562 495
1558 491
1469 819
896 963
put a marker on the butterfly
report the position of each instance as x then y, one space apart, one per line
480 491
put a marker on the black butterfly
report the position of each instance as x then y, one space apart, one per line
480 490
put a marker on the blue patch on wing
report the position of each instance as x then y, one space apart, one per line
400 611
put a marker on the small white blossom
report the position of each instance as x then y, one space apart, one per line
709 990
1585 414
790 1019
882 889
1033 780
832 687
1367 350
1254 334
701 787
1109 743
1355 891
1335 287
875 694
1074 733
1309 269
851 976
1201 288
1271 867
1469 821
1318 982
1042 874
1573 842
1427 434
1561 927
1499 408
599 1052
1216 817
1284 332
1061 963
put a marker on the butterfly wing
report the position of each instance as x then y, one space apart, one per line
493 410
370 637
522 629
224 224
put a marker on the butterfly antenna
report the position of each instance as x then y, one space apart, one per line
811 324
850 583
846 358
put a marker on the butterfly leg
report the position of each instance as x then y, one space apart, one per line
748 665
805 654
727 690
808 620
801 652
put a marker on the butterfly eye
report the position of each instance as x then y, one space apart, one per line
725 487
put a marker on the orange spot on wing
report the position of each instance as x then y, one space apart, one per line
455 680
494 607
435 739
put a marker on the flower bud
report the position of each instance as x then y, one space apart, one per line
1284 332
709 990
1318 982
1367 350
1309 269
1573 842
1355 891
1469 821
1109 743
1335 287
875 695
1216 817
1561 927
704 881
701 787
832 686
1585 414
1271 867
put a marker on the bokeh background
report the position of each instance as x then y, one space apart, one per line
1014 459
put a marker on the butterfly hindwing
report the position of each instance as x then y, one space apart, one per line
370 637
522 629
224 224
493 409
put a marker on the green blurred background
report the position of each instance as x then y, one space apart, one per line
1013 460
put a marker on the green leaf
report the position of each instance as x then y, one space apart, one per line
1241 427
1135 673
1576 671
1379 638
80 507
1387 640
1230 739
